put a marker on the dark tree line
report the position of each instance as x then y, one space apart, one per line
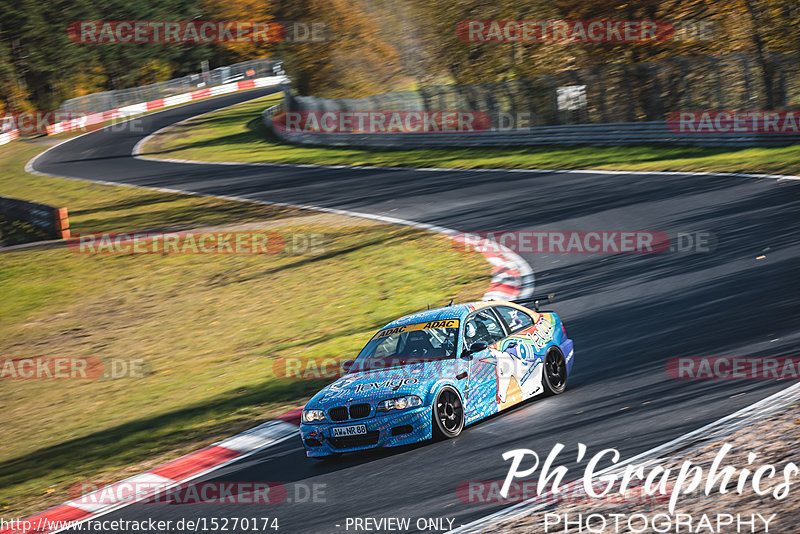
373 46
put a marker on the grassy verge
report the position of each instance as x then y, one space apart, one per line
237 134
207 327
100 208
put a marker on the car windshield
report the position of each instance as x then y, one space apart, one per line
401 345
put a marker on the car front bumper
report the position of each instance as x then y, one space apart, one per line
383 430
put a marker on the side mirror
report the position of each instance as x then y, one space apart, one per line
347 364
478 346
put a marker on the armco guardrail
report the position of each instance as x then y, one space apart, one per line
604 94
622 133
143 107
54 221
610 104
7 137
119 98
8 132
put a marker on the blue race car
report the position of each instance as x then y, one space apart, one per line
431 373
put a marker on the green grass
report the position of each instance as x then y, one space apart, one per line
208 327
237 134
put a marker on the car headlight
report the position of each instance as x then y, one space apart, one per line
400 403
309 416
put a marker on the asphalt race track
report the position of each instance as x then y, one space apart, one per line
628 313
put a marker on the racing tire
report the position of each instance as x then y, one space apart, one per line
447 413
554 372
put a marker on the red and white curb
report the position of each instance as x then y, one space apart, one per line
82 122
164 477
512 277
9 136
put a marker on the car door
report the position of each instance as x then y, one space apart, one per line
483 326
522 360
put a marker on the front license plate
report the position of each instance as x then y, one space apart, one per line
344 431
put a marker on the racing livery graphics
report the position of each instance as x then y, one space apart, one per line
429 374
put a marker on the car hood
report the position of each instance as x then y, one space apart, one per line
377 384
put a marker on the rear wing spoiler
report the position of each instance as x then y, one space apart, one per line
536 300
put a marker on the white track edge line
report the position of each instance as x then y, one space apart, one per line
685 174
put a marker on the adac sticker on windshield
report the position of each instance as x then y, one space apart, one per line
444 323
